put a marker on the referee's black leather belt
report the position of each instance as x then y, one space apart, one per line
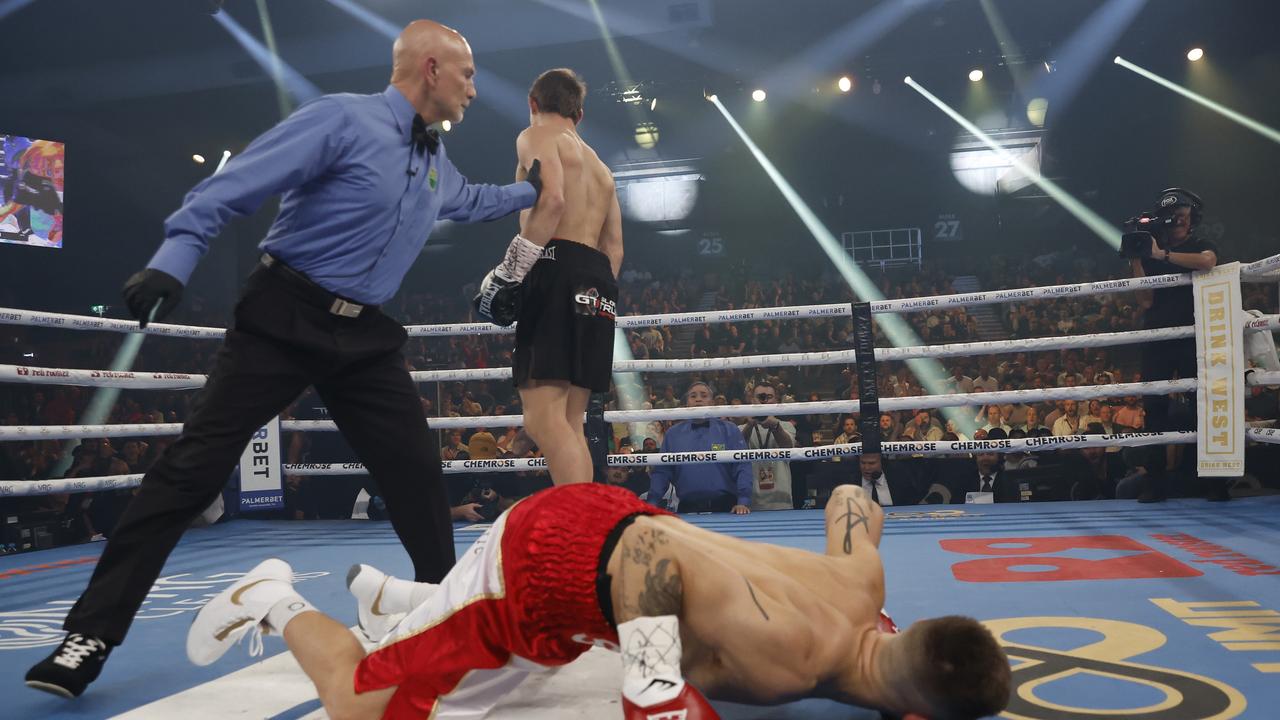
312 292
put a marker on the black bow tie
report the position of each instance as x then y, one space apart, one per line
424 137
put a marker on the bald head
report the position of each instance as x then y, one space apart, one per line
432 65
422 39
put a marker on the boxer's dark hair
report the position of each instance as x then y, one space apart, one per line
559 91
964 672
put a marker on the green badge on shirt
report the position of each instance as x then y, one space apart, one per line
717 446
432 179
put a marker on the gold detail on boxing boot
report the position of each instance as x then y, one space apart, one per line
376 608
225 632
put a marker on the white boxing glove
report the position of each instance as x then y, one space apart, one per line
522 253
652 686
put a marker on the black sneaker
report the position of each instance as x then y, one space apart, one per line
70 669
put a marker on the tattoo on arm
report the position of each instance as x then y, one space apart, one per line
663 591
755 600
855 515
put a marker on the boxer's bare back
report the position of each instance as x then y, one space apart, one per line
760 623
590 214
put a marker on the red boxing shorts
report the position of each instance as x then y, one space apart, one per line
523 596
568 304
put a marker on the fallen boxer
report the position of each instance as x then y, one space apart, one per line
691 612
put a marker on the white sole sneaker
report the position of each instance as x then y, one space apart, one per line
232 614
366 584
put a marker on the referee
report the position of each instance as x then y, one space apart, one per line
361 181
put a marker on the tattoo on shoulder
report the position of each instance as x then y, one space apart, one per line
645 545
854 515
663 592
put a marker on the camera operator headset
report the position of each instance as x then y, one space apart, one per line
1163 242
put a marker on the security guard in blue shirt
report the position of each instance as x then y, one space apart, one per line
362 181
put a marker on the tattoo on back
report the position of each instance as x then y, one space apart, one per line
755 600
854 515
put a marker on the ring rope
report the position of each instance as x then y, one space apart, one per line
15 316
804 454
1262 377
176 381
1264 270
1259 271
820 407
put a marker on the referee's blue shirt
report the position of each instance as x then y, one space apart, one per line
702 480
357 200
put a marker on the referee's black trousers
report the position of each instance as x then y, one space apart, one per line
283 339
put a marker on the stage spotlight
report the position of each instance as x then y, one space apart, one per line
1195 54
758 95
653 104
845 84
1036 111
198 158
646 135
975 75
446 125
1269 132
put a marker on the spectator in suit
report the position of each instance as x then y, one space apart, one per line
888 483
984 473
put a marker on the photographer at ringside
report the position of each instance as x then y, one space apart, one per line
1163 242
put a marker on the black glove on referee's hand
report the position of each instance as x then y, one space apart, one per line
148 287
534 177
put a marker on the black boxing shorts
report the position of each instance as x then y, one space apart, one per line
568 305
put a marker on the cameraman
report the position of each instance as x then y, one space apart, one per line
1161 243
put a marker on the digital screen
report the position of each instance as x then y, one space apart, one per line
31 178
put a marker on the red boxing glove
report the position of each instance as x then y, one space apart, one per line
688 705
885 624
